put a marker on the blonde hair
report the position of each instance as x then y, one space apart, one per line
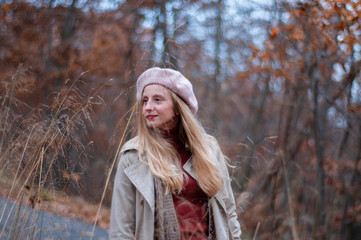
163 159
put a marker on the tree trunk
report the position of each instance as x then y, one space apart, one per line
318 115
347 230
48 62
61 163
169 58
217 74
163 27
348 128
68 28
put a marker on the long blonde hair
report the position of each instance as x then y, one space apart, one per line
163 159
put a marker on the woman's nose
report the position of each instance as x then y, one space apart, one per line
148 105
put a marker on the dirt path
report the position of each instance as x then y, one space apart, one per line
26 223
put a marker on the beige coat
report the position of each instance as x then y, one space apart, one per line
133 203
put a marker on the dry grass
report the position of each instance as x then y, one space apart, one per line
35 144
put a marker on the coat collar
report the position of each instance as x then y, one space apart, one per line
141 176
133 145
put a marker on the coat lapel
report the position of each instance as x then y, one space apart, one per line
141 176
188 167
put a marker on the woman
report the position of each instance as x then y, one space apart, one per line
172 181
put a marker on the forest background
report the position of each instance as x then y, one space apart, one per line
278 83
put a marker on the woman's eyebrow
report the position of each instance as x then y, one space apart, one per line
154 96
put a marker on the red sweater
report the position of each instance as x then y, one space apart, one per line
191 203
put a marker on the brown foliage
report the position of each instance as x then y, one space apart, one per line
300 57
289 108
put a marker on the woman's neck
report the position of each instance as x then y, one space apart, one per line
172 135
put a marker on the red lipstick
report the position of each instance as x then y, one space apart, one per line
150 117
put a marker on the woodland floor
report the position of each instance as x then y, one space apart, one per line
68 212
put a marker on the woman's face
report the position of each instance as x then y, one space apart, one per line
158 108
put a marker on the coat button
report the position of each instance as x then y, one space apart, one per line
142 202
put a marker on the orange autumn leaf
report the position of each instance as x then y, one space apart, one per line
274 32
355 109
76 177
66 175
298 34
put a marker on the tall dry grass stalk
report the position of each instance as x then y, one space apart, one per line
34 143
116 157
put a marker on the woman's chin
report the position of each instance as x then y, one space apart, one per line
152 125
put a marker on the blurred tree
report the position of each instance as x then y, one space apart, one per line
303 58
278 83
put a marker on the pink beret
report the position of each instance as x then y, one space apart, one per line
171 79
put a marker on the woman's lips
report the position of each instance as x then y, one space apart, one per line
150 117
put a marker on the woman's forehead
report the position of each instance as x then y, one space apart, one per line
155 89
